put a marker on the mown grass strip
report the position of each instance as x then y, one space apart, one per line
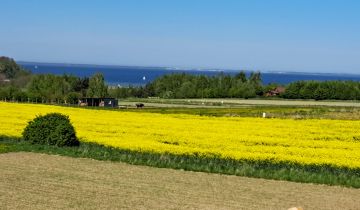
290 111
281 171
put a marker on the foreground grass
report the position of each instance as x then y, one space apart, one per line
280 171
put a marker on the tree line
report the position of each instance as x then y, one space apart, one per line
49 88
323 90
238 86
197 86
18 84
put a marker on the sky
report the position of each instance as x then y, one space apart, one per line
265 35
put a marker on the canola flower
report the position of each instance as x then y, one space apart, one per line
306 142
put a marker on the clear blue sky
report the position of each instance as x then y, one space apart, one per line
279 35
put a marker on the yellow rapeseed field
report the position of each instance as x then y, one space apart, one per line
311 141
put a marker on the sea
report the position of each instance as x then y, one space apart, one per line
141 75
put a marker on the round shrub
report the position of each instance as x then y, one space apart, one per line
51 129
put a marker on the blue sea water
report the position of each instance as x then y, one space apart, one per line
133 75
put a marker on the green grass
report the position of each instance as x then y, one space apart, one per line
242 112
272 111
344 113
295 112
268 170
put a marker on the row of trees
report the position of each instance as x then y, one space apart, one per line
323 90
48 88
197 86
20 85
238 86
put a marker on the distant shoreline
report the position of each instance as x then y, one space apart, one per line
140 76
28 63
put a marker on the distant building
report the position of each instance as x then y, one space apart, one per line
102 102
275 92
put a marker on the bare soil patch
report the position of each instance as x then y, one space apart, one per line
39 181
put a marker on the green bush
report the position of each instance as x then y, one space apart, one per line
72 98
51 129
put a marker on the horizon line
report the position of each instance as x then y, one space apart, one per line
179 68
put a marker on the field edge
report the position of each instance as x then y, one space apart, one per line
267 170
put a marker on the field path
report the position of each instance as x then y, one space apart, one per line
280 102
226 103
39 181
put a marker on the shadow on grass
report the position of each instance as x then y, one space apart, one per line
323 174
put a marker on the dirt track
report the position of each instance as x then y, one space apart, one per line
38 181
281 102
225 103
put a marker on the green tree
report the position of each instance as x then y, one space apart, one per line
72 98
241 76
187 90
8 67
97 87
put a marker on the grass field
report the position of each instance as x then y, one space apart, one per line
39 181
250 108
288 112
